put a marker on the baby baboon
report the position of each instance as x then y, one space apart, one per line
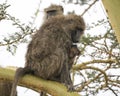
53 10
48 53
74 51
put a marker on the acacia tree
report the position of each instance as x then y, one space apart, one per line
112 8
94 71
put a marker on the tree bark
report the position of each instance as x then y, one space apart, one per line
5 88
113 10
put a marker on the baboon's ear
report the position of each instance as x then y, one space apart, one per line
53 10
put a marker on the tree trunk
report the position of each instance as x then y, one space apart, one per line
113 9
5 88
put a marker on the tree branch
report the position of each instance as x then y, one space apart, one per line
37 84
97 69
76 67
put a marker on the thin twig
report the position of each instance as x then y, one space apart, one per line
89 7
112 91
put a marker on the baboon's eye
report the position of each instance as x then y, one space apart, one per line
79 29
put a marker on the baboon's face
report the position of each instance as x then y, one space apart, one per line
76 34
76 26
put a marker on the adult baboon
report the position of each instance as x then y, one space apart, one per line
47 56
54 10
